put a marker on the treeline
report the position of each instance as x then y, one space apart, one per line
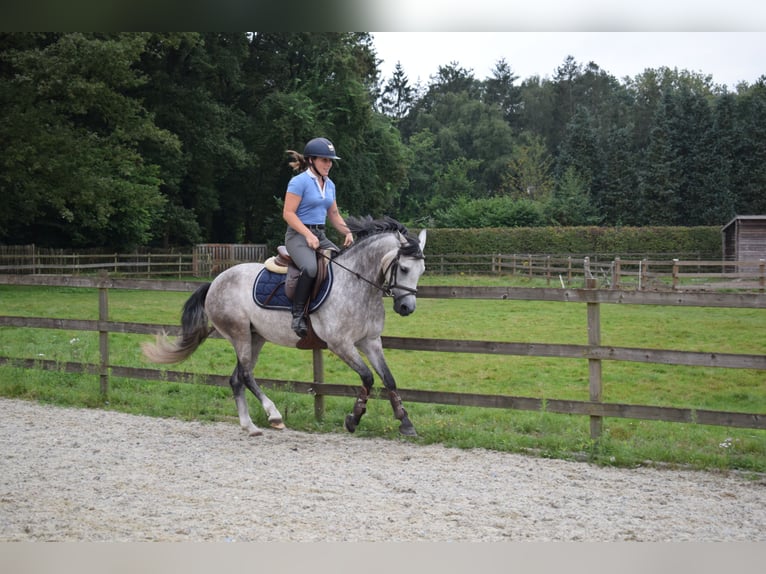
170 139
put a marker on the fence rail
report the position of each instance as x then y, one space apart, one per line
206 260
594 352
659 272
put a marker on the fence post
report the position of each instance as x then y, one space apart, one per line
318 378
644 274
675 274
762 274
594 365
616 278
103 332
548 270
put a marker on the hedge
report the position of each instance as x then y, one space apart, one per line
704 242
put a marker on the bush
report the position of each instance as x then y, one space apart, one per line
491 212
611 241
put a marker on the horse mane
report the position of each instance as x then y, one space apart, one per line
364 227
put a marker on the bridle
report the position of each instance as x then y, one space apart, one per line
389 277
391 271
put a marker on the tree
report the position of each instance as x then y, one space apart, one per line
749 168
500 91
618 197
570 204
194 90
72 168
691 127
724 146
582 151
397 96
453 182
660 178
529 172
466 128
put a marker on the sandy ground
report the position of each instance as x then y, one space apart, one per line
93 475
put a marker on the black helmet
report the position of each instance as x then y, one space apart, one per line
320 147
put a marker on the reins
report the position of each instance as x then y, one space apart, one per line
388 286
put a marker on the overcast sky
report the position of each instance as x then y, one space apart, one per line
729 57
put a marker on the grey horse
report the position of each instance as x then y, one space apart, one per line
384 260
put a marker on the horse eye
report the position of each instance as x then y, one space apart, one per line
404 270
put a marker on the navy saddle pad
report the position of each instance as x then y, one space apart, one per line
269 291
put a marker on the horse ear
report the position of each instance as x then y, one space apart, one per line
422 239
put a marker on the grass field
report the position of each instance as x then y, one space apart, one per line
625 442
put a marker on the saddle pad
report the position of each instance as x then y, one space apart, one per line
269 291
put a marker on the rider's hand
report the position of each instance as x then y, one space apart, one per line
313 241
349 239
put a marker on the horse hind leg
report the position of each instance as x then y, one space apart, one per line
273 414
243 377
238 389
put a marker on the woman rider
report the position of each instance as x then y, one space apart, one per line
309 201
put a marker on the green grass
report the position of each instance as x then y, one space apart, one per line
625 442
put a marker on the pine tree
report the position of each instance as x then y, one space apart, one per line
397 96
660 178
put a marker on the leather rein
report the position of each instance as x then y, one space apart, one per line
388 285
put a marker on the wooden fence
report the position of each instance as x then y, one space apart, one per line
593 352
207 260
638 273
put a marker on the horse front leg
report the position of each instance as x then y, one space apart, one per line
351 357
360 406
373 349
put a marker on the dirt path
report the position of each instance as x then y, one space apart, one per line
92 475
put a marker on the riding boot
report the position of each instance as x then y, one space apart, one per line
302 290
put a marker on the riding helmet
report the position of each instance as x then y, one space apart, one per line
320 147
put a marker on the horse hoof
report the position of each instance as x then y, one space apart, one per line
350 425
407 430
255 432
279 425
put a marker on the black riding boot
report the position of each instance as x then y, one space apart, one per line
302 290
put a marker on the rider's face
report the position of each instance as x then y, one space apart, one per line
322 165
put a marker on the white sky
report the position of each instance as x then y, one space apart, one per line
729 57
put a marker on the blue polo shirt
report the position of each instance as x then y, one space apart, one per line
312 209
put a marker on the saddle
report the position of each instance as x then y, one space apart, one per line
284 274
282 263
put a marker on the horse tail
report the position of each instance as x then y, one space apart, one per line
194 330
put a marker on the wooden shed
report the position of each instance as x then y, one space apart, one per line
744 239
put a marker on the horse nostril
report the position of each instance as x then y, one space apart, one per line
404 310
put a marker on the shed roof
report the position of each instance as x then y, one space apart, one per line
744 217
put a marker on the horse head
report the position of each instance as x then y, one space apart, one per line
402 268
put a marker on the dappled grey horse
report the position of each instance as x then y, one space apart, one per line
384 260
